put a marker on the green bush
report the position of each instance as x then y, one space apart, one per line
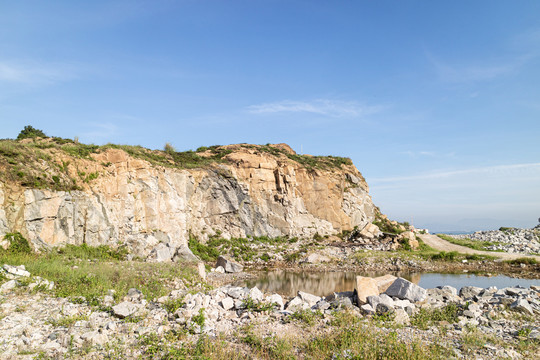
17 243
29 133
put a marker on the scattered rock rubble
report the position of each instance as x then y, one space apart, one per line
511 240
36 322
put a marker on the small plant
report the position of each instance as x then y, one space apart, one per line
173 304
307 316
199 319
168 148
256 306
17 243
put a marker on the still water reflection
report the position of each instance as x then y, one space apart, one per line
325 283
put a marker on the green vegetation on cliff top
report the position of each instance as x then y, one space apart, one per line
32 160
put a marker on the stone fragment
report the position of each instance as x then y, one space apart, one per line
468 292
316 259
7 286
201 270
380 299
382 309
365 286
367 309
161 253
229 265
296 304
523 306
237 292
310 299
220 270
405 289
227 303
401 317
255 294
183 253
275 299
16 270
125 309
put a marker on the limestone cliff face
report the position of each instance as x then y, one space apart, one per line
152 209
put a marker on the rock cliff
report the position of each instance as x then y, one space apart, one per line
117 198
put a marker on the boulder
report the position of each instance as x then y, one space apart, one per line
370 231
406 290
183 253
365 286
229 265
383 282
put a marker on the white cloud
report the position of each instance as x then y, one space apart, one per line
33 73
480 71
504 170
101 130
326 107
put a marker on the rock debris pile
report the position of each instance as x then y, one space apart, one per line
34 321
511 240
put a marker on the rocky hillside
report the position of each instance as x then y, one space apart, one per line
57 191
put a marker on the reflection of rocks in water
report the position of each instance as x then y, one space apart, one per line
317 283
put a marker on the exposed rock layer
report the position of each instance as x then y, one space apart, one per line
152 209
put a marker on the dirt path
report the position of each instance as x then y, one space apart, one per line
443 245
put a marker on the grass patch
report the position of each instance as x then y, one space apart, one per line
473 244
428 317
17 243
88 272
241 249
523 260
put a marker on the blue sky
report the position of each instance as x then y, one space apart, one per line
437 103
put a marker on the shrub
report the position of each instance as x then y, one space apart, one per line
168 148
17 243
29 133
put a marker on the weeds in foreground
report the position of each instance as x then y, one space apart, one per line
428 317
89 272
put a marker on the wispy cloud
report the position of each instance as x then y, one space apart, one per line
532 168
33 73
473 72
101 130
325 107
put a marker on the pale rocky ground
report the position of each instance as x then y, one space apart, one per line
34 323
511 240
